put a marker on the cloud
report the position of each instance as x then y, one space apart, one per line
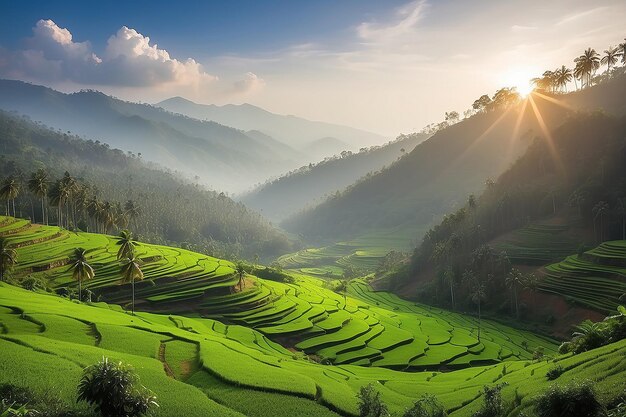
404 24
129 60
250 83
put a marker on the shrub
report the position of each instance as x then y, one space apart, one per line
427 406
12 394
554 372
574 400
370 404
114 390
34 284
493 405
273 274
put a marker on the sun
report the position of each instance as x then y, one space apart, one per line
520 79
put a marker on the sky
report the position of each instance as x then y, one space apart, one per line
389 67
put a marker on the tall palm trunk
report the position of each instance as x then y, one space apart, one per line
516 302
479 320
14 215
43 213
132 283
452 293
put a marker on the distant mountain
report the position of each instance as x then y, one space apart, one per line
220 155
308 185
440 173
291 130
325 147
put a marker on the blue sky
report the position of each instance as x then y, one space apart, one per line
385 66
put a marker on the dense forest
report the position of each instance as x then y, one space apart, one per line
84 184
578 175
307 185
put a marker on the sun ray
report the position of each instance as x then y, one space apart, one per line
553 100
548 136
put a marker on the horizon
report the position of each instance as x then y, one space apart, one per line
387 68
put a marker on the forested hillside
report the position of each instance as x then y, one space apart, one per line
440 173
219 155
307 185
106 189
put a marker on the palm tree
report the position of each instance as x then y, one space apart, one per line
38 185
240 271
8 258
9 191
126 244
131 272
601 209
449 277
81 270
133 211
107 216
589 63
610 58
478 295
562 76
342 288
513 280
531 282
59 195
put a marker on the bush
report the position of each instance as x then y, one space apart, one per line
493 405
370 404
554 372
427 406
114 390
12 394
574 400
274 274
34 284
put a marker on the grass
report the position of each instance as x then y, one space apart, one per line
235 353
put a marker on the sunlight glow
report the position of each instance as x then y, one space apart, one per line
520 79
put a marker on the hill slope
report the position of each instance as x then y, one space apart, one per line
291 130
439 173
306 186
212 223
218 154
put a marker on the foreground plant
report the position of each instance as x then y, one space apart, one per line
370 404
574 400
114 390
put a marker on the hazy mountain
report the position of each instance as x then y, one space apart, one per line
308 185
325 147
220 155
441 172
291 130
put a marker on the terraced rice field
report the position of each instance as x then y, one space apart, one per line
363 253
171 274
538 244
201 367
596 279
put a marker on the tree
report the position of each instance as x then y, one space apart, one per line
133 211
610 58
9 191
477 293
426 406
131 272
513 280
126 244
547 82
562 77
59 195
586 66
81 270
505 97
38 185
8 258
531 283
493 405
620 210
482 103
601 209
342 288
370 404
114 390
577 399
240 271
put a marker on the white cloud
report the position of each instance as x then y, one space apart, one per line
250 83
404 24
129 60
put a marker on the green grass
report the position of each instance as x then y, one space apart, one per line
595 280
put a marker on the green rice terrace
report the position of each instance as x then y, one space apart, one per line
207 348
595 279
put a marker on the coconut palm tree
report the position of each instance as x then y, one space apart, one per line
8 258
601 209
240 271
131 272
610 58
563 76
589 63
81 270
513 280
59 195
9 191
133 211
478 295
126 244
38 185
